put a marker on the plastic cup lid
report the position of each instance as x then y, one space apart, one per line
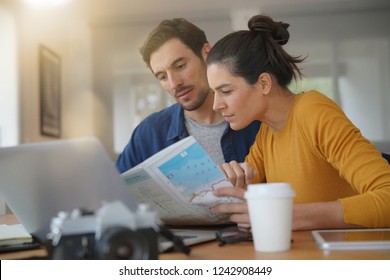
269 190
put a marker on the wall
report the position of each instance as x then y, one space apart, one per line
60 30
326 37
95 54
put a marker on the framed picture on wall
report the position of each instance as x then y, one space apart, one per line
50 92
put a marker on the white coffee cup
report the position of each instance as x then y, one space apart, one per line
270 212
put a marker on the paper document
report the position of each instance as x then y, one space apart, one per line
14 234
178 182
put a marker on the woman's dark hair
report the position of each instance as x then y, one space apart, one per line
188 33
248 53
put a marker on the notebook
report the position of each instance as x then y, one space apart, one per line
39 180
14 234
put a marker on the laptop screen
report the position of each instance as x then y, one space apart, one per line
41 179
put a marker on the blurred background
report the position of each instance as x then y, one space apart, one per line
105 89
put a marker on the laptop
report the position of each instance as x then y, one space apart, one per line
39 180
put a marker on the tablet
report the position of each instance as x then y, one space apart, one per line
353 239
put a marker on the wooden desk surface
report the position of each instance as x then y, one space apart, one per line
302 248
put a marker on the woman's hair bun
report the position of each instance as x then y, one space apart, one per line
265 24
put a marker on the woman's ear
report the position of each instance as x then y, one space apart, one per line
265 82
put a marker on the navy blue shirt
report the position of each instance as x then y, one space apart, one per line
162 129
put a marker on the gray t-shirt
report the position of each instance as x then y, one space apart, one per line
209 137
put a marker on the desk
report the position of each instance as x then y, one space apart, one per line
302 248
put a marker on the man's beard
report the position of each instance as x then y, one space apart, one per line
197 103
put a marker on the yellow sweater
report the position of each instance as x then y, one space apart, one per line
325 158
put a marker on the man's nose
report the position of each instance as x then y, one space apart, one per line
175 81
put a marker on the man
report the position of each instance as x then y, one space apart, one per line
176 51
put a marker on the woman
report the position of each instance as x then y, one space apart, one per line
340 179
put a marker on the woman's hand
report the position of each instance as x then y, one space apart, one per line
240 174
238 211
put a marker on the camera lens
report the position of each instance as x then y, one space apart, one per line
119 243
123 252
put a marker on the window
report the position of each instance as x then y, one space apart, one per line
8 85
359 82
136 96
9 120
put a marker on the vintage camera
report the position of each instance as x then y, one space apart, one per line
112 232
